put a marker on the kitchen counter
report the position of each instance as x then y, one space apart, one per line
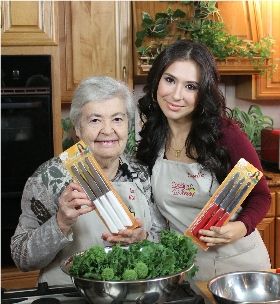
200 287
273 179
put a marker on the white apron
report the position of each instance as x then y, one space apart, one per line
89 227
180 191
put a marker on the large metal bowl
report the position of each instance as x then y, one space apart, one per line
138 291
246 287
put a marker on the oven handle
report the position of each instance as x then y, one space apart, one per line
21 105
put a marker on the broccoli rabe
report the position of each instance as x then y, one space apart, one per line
107 274
141 270
129 275
143 260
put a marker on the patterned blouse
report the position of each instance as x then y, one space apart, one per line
38 238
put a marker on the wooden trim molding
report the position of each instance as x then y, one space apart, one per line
12 278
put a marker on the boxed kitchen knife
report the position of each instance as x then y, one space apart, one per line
84 169
226 200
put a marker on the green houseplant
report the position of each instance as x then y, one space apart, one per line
201 22
68 135
252 122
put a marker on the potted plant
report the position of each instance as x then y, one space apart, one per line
200 22
252 123
69 135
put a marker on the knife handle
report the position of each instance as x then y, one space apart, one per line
112 227
119 209
222 220
204 218
214 219
110 211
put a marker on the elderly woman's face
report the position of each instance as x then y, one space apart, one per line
104 127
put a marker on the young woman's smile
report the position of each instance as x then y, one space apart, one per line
174 107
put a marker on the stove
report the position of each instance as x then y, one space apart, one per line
45 294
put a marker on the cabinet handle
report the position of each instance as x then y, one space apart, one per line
124 74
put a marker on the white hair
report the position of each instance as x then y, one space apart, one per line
100 88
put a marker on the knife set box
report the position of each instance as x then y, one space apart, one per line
85 170
226 199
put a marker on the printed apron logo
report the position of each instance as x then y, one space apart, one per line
182 189
131 195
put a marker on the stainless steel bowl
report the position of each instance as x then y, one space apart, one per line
139 291
246 287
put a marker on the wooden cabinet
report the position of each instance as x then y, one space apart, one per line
29 23
31 28
277 230
267 230
95 39
267 86
269 227
245 25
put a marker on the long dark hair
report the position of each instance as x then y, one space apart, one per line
202 141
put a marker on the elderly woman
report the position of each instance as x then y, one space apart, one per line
53 225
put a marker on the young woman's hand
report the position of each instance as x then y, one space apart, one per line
228 233
70 207
127 236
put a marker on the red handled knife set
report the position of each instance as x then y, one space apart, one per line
85 170
226 199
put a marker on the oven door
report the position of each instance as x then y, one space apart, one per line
26 142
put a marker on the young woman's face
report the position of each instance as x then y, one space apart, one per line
104 128
178 89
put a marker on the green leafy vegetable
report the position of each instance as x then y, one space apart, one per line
143 260
129 275
107 274
141 270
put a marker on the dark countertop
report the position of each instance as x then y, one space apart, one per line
273 179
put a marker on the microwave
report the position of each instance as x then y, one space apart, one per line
270 149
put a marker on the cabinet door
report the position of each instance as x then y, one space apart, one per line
27 23
244 22
266 87
95 39
277 243
267 230
277 229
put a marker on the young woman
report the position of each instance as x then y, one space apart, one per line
190 146
53 225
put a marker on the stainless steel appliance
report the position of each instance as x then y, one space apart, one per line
26 133
69 294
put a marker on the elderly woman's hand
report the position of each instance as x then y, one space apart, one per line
70 206
228 233
127 236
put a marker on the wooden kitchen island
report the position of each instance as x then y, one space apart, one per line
200 287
